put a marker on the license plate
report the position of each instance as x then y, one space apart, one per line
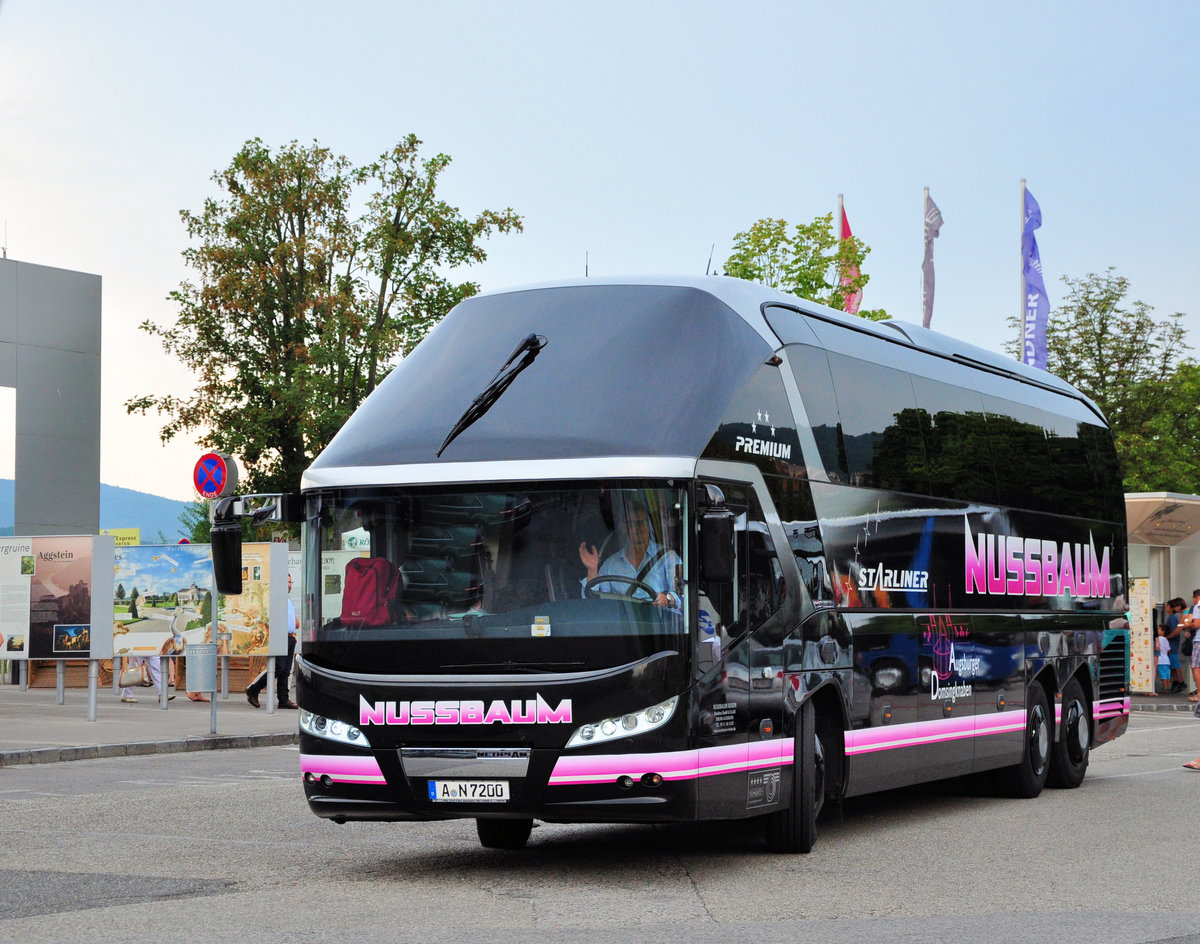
468 791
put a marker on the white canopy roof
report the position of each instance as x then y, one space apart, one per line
1163 519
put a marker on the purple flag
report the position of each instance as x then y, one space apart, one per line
933 226
1037 305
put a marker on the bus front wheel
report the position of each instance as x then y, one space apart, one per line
794 828
503 833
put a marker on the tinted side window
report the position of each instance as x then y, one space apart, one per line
799 518
1102 455
1073 484
956 442
762 575
1019 453
881 426
758 588
811 369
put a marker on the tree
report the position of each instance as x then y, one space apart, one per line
120 591
1132 366
194 519
809 263
298 310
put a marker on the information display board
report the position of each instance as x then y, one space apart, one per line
262 604
163 598
54 593
1141 638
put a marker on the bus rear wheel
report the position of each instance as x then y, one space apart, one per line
503 833
1070 753
1026 779
794 828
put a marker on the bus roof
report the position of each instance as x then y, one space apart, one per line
639 370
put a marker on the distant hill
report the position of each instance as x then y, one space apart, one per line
119 508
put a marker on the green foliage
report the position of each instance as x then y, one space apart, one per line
1135 368
809 262
195 523
298 308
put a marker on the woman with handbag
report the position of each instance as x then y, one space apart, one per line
131 674
141 670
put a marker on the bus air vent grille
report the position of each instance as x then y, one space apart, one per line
1114 668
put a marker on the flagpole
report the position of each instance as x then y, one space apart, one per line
1024 286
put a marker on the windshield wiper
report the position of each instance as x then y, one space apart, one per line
530 347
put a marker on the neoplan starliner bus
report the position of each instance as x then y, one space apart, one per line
690 549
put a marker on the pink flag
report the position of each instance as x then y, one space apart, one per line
853 299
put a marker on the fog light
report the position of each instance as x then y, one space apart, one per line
326 781
625 782
652 780
308 777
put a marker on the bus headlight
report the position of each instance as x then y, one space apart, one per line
337 731
627 725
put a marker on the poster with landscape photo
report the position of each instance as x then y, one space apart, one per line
60 597
162 598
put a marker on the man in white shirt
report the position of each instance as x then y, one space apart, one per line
642 559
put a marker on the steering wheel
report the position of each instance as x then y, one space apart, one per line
589 588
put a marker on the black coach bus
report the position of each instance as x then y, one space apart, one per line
649 550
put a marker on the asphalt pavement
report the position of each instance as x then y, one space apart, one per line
34 729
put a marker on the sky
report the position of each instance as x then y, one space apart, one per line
164 570
640 137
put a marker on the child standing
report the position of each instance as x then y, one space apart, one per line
1164 660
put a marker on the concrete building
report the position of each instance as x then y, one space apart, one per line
50 352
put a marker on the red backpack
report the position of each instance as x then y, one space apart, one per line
371 584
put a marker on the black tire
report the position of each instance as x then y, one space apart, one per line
503 833
794 828
1070 753
1026 779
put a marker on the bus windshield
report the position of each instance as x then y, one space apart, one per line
562 578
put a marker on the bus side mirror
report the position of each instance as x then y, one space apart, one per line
226 540
716 546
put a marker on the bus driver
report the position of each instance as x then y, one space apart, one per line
641 561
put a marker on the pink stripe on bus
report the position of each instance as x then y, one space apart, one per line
343 768
937 731
672 765
1111 708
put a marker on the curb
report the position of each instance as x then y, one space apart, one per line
209 742
1164 707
